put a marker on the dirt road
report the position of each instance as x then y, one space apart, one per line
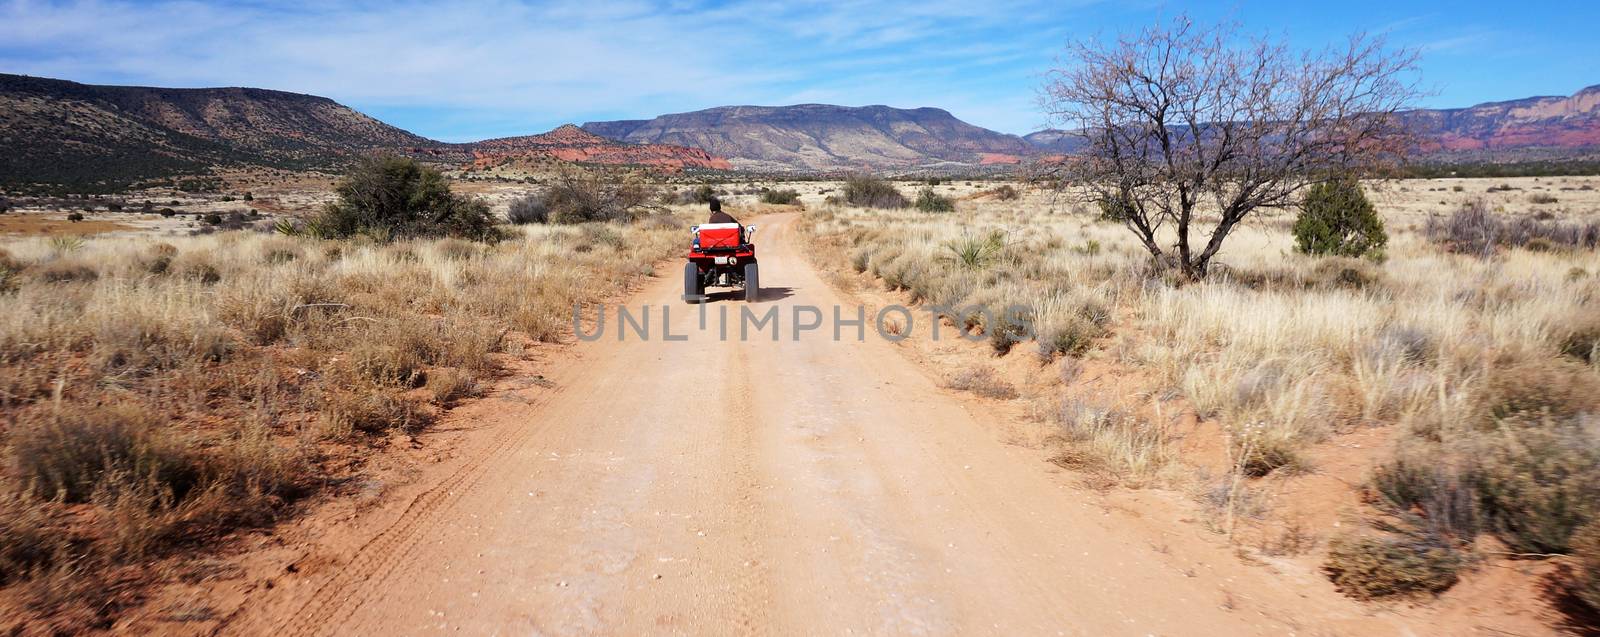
789 487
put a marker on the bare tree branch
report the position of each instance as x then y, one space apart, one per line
1181 119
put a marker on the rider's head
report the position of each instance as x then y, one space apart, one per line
716 204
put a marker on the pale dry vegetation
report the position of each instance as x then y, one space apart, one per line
1483 362
158 393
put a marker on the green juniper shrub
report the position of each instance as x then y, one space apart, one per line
930 201
1336 219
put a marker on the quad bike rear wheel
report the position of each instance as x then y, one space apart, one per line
752 283
691 282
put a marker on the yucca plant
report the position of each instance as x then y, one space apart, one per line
976 252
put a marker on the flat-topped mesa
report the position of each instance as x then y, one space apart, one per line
571 143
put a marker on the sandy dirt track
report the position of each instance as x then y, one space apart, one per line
789 487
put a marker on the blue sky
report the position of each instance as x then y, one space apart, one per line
460 71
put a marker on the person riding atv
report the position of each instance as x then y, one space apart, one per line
721 256
717 215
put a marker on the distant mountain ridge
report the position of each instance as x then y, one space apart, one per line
824 137
61 132
92 137
1546 127
98 137
1500 128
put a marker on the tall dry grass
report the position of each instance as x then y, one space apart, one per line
1484 360
156 393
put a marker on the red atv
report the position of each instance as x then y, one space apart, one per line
722 256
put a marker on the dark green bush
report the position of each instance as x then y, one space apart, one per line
391 198
528 209
871 192
781 197
930 201
1337 219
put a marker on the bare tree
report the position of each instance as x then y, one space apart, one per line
1180 120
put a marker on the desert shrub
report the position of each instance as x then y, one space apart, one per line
371 411
168 212
1110 439
1586 550
1471 229
975 252
212 219
450 385
527 209
1008 330
982 381
1424 487
860 258
1264 454
74 217
784 196
1006 192
73 452
1539 481
1475 229
393 198
870 192
1542 198
27 540
1069 336
930 201
1371 567
1336 219
579 197
701 194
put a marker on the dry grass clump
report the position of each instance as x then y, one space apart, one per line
1107 439
984 382
158 395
